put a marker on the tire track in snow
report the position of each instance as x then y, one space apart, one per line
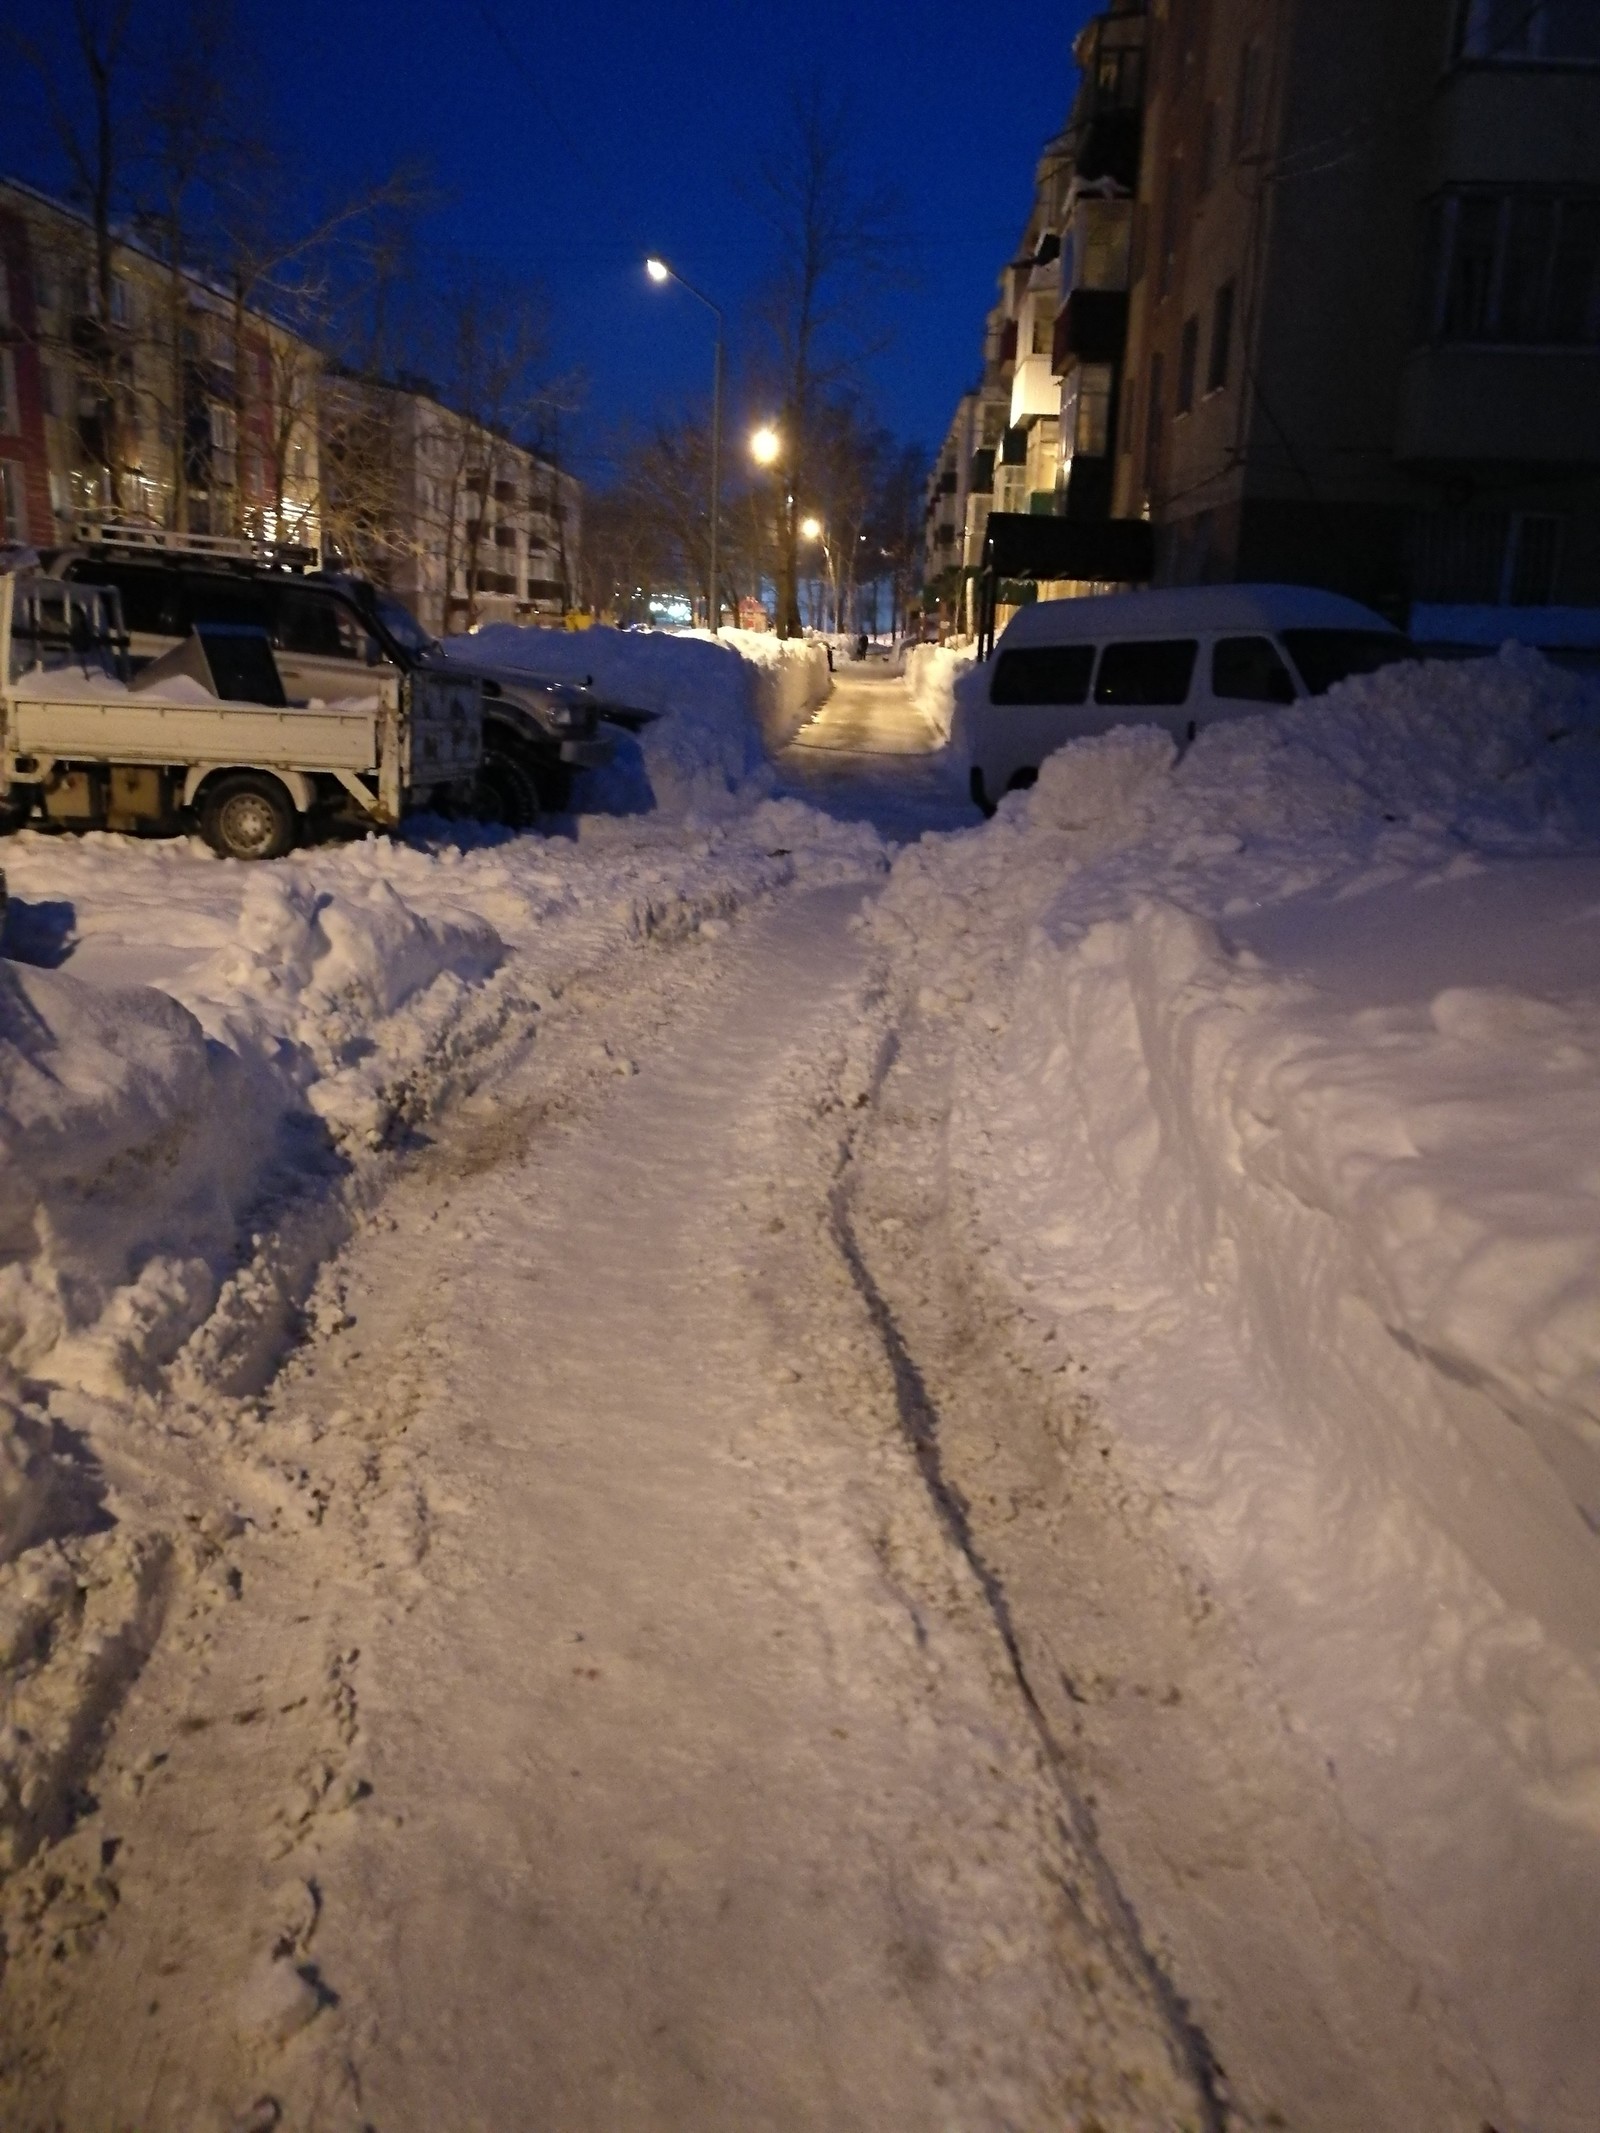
919 1421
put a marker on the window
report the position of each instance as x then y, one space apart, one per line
1152 421
1510 31
1043 674
1188 357
314 626
1327 656
1171 207
1154 672
1090 410
1221 339
1210 134
1248 670
13 509
10 416
1247 97
1517 267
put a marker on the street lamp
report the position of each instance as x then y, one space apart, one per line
659 272
811 529
765 446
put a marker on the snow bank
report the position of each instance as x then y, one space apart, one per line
1278 1091
721 704
932 671
214 1036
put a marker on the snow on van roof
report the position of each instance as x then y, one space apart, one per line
1188 608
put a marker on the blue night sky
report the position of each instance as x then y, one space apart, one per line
605 132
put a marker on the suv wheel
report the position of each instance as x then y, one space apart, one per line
505 792
248 815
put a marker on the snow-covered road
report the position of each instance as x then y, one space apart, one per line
619 1726
953 1499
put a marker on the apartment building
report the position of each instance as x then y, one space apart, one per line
167 402
1041 424
463 522
1365 311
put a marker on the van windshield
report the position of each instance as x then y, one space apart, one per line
1327 656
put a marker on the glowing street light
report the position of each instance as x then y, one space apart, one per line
811 529
660 272
765 446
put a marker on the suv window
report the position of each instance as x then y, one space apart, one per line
150 601
1156 671
316 624
216 596
1327 656
1043 674
1249 670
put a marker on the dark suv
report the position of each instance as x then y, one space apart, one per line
338 637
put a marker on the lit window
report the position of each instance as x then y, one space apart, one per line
13 514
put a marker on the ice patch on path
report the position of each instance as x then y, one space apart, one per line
1278 1082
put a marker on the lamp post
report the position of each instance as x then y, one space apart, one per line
659 271
812 529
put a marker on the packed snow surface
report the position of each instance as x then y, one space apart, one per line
932 671
1281 1092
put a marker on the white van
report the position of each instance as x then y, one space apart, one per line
1179 658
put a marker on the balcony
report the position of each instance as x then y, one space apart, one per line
1035 390
1523 406
1091 327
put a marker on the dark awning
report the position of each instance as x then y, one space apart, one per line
1024 544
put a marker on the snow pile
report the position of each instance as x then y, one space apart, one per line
1278 1086
720 703
214 1037
932 671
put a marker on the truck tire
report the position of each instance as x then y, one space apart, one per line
248 815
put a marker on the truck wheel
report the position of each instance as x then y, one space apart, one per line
248 815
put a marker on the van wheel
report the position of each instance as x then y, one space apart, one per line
979 791
249 815
1022 780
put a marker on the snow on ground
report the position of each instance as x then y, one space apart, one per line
721 704
202 1064
1278 1093
932 671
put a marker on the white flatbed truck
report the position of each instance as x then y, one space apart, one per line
82 747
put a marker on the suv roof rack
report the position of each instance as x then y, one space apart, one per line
132 536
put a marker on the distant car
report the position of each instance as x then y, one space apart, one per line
1181 658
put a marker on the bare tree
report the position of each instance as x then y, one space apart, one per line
89 133
835 246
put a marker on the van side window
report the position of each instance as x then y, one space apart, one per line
1157 671
1249 670
1043 674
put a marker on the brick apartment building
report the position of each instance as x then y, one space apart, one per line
1325 286
180 408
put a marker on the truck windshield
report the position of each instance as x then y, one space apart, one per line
1327 656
